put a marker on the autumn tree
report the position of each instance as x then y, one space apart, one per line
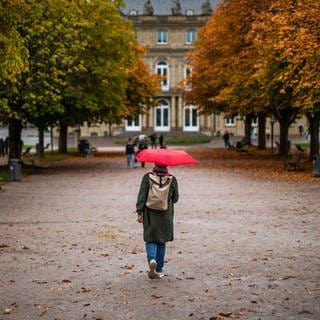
260 57
13 62
76 61
114 69
288 36
51 32
225 62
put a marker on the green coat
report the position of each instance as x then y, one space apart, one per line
157 225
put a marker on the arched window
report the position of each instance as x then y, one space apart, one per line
162 116
133 12
162 70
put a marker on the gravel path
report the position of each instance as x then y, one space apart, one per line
244 247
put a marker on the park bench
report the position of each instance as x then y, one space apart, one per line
299 148
231 146
293 164
26 152
242 147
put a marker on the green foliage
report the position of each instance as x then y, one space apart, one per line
68 61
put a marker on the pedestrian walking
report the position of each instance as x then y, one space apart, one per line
130 153
6 145
157 224
226 139
153 139
161 143
141 146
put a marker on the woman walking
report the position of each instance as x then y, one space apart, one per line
157 224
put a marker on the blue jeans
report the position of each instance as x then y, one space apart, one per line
157 252
131 163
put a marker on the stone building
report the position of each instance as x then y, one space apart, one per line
168 29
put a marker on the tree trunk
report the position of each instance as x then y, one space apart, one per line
63 136
40 149
248 128
262 143
314 121
15 142
285 117
284 135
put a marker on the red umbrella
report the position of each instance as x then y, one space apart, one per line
166 157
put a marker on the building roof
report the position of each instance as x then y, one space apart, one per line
168 7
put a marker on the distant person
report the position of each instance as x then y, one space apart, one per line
161 141
226 139
2 153
130 153
307 136
141 146
6 145
301 129
157 223
153 139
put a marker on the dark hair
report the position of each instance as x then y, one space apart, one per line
161 170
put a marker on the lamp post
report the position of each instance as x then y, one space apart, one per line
272 121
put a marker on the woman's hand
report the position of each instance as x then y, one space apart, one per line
140 218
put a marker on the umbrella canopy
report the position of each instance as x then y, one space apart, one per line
166 157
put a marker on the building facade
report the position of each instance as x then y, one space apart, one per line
168 29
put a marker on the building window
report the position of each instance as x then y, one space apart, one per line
162 37
162 116
230 122
133 123
190 118
254 122
163 71
133 12
191 36
189 12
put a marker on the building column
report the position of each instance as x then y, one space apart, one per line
179 112
173 113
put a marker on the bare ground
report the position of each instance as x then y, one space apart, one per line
246 246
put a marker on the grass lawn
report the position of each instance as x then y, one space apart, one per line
180 139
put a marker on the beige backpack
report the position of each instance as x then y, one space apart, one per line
158 192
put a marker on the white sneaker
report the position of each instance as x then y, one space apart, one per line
153 266
160 275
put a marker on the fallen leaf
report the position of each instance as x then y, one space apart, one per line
104 254
4 246
229 315
7 311
287 277
154 296
66 281
37 281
